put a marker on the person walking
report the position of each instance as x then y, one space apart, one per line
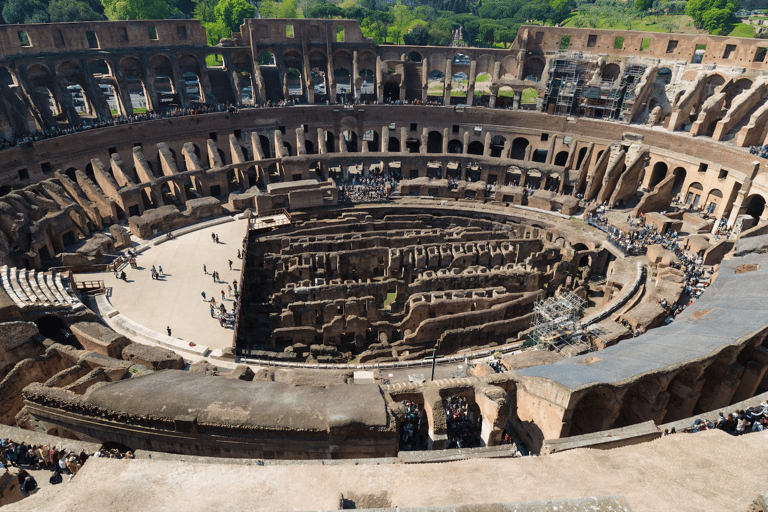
160 270
230 264
205 270
212 316
168 328
229 289
222 295
203 294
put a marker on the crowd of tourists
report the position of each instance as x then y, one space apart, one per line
18 138
463 427
364 189
411 437
24 458
761 151
753 419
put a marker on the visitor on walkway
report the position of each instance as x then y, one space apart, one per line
205 270
203 294
230 264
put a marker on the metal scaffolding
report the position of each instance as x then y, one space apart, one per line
556 322
566 79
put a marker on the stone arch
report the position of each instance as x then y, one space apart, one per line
680 174
374 142
330 142
309 147
455 146
533 68
693 196
461 59
266 58
519 146
714 199
497 145
638 403
350 139
658 173
664 76
42 80
265 146
413 144
610 72
393 145
593 412
391 90
413 56
683 389
475 148
561 158
436 83
755 204
435 142
580 157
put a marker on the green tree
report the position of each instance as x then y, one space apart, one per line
322 9
561 8
232 13
215 31
715 20
506 36
71 10
403 20
25 11
138 9
643 5
418 35
288 9
204 10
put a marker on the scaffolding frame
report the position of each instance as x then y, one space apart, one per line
565 83
556 322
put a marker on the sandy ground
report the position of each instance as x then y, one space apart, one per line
709 471
175 301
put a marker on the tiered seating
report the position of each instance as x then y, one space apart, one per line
39 290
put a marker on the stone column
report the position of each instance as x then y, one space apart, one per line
448 80
471 83
517 97
355 75
446 133
379 80
487 147
385 139
551 149
466 143
321 146
424 141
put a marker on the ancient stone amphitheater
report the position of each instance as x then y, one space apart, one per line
403 205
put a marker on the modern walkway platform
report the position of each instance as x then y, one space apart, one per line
143 308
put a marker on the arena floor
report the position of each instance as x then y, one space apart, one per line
174 300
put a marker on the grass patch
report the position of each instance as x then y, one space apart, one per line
140 110
390 299
213 61
742 30
679 23
529 96
485 77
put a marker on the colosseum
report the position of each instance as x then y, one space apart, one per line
450 269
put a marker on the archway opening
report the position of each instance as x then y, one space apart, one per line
497 146
519 146
53 327
475 148
658 173
435 142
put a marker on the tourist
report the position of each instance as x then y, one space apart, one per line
168 328
230 264
203 294
205 270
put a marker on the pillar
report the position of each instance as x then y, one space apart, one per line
471 83
448 80
385 139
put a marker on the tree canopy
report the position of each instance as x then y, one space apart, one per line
713 15
138 9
